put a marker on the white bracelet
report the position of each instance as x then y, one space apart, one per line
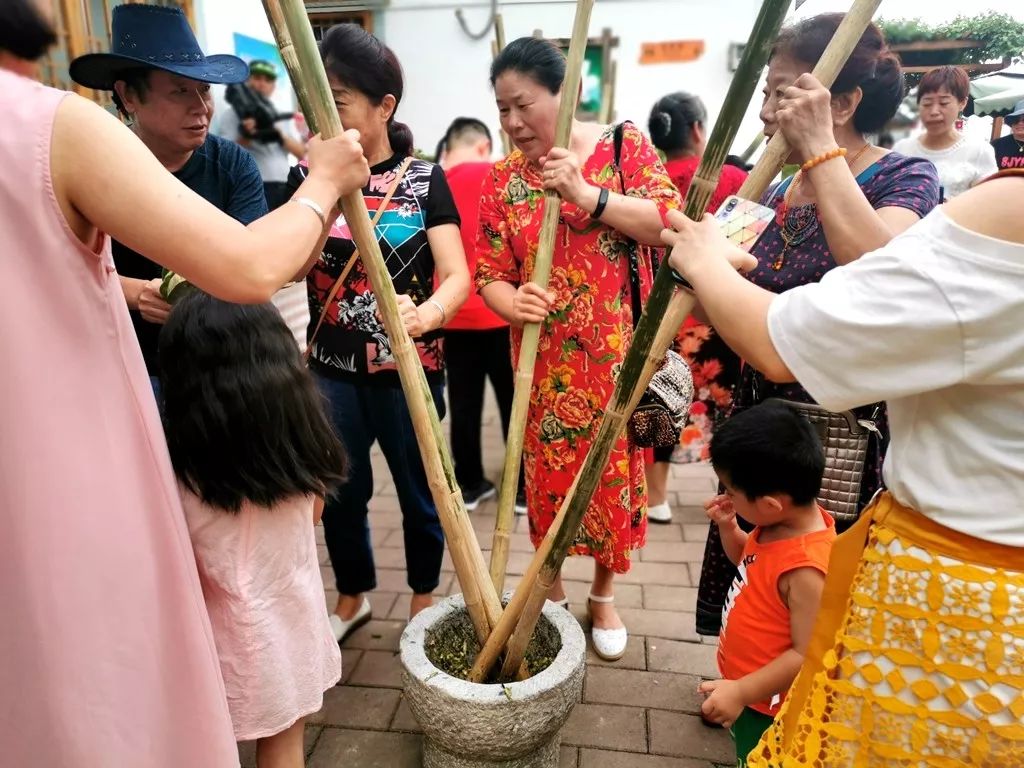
314 207
440 308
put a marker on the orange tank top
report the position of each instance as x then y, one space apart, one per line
755 620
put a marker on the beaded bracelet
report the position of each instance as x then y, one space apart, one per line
832 154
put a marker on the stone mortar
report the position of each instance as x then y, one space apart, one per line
468 725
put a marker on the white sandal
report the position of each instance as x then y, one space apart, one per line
609 644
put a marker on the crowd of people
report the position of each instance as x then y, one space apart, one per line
164 458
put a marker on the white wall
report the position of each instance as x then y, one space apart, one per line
217 21
447 72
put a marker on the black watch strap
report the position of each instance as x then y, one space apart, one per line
602 203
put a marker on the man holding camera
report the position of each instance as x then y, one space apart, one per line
253 121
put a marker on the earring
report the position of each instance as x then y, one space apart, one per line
960 121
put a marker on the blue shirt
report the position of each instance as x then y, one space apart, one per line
224 174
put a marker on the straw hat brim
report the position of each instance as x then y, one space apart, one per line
101 70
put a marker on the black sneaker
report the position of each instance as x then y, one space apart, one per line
472 497
521 503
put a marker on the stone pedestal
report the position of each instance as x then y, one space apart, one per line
467 725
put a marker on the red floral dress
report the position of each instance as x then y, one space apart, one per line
583 341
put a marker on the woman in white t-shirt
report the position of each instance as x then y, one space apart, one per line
961 161
918 652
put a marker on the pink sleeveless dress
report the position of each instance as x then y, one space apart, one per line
106 653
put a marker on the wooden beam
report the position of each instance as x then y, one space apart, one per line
997 127
936 45
974 69
77 37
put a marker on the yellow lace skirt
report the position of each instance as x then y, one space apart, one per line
917 659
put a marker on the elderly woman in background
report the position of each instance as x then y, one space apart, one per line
961 161
613 198
850 198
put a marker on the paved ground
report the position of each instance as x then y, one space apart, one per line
639 712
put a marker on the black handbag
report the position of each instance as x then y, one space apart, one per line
659 417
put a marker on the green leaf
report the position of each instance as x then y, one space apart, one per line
173 287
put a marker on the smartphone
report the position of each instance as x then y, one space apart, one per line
743 221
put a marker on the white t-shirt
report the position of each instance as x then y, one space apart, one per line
934 325
960 166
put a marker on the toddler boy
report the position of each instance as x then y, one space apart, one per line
770 462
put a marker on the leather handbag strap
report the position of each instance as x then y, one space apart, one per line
355 254
636 295
636 299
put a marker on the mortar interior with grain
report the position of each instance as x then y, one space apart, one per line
451 646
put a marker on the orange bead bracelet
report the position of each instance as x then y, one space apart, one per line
832 154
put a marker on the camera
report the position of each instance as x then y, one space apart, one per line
250 105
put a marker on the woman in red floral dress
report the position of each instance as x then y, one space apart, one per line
586 312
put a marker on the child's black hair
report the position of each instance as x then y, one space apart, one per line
243 417
768 449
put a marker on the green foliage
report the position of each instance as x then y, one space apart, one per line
999 35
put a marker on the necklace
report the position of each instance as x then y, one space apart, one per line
803 224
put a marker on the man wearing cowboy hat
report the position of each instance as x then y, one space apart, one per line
161 83
1010 149
272 147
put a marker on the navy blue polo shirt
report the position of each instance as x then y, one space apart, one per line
224 174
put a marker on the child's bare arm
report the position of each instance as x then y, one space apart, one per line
720 511
318 509
801 591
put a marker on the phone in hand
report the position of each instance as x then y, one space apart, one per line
743 221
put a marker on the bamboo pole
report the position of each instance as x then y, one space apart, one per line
499 31
540 275
752 148
497 46
669 305
299 52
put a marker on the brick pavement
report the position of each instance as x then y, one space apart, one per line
638 712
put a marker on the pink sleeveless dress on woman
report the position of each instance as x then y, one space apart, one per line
106 653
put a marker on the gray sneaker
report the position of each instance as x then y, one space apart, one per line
475 496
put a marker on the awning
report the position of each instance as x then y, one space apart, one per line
331 6
996 94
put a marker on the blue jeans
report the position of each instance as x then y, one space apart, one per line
361 415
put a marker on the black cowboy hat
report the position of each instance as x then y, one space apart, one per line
154 37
